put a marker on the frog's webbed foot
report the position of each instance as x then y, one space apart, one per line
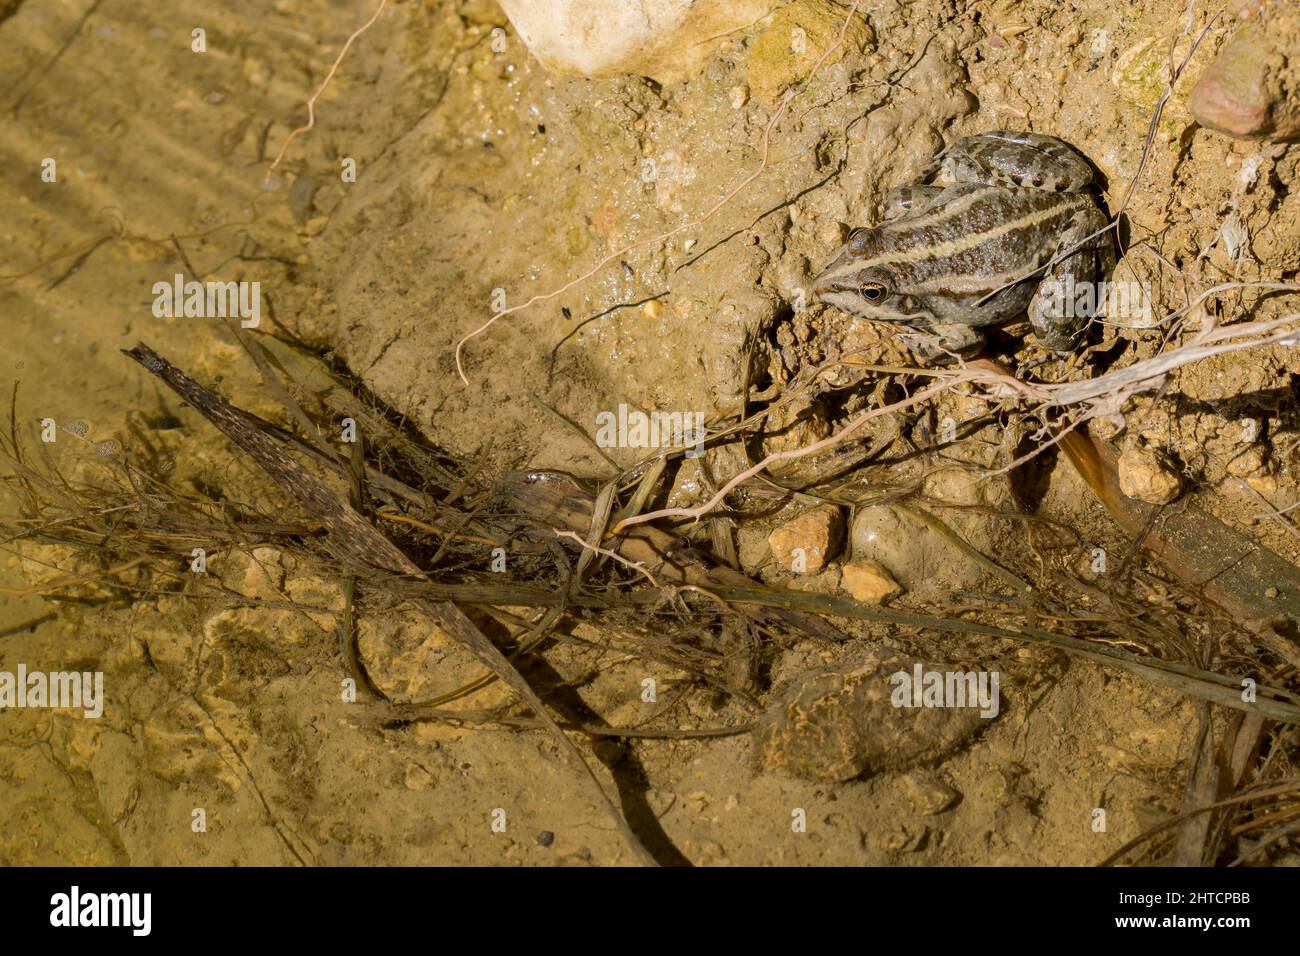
906 199
1072 292
943 343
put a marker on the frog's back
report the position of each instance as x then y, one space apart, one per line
971 232
1015 158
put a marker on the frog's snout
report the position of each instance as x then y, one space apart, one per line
830 282
838 276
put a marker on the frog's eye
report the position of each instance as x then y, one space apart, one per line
873 291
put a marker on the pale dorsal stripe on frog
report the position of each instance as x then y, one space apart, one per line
1060 205
948 211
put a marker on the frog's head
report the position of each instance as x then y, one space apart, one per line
852 284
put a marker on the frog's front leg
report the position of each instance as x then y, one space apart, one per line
943 343
905 199
1072 292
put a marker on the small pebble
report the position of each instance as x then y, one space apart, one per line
807 542
1250 461
1147 475
869 582
546 838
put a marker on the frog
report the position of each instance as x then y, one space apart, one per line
995 227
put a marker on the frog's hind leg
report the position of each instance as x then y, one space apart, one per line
905 199
1010 158
1072 291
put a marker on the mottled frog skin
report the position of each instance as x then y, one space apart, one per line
993 210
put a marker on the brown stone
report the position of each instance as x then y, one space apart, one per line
1252 88
838 724
807 542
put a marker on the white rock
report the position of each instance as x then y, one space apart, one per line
663 39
